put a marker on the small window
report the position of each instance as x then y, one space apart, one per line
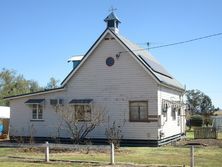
138 111
173 112
110 61
37 111
179 111
165 107
82 112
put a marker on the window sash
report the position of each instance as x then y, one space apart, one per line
37 111
173 113
82 112
138 111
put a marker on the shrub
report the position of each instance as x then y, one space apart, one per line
207 121
114 135
196 120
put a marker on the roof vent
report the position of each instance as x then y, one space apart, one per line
75 60
55 102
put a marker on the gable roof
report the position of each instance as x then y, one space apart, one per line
145 59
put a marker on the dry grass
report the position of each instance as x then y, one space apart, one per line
126 156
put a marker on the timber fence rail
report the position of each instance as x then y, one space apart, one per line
205 133
47 147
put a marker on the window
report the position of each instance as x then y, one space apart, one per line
138 111
173 112
179 111
82 112
37 111
111 23
110 61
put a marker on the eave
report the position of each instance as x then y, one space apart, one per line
35 93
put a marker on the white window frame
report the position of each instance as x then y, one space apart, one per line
39 111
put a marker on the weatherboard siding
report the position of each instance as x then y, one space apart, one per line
169 126
21 123
113 87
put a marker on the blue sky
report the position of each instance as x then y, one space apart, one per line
38 36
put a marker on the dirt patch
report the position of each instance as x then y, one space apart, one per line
65 150
206 142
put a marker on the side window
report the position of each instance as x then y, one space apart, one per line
173 112
138 111
82 112
37 111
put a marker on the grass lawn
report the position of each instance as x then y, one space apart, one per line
166 155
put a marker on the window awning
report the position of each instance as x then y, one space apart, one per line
85 101
34 101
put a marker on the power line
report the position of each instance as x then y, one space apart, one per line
187 41
172 44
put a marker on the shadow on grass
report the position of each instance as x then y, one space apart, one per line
84 163
53 161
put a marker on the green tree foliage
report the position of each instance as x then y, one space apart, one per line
12 84
196 120
199 103
53 83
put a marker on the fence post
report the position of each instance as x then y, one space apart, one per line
112 156
191 156
46 151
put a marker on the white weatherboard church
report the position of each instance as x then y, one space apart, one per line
134 89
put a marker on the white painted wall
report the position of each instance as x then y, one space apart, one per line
111 88
21 116
168 125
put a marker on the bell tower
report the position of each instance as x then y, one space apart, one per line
112 22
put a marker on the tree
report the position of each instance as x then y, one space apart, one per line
53 83
194 100
198 102
12 84
34 86
79 129
114 134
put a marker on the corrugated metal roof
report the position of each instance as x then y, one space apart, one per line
151 63
111 16
34 93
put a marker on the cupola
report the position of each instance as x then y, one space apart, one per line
112 22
